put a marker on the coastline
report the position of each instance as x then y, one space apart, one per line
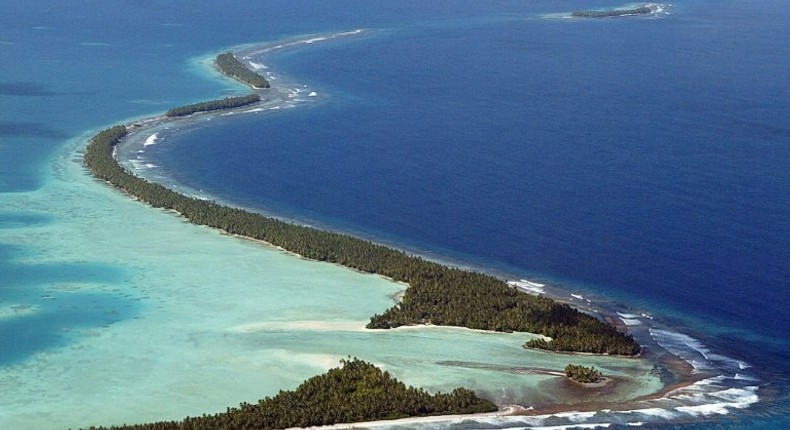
627 11
150 125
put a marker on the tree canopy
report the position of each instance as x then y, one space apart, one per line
357 391
211 105
641 10
229 65
586 375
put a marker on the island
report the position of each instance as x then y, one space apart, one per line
355 392
229 65
585 375
226 103
641 10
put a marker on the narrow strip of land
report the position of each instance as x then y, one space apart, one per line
645 9
437 294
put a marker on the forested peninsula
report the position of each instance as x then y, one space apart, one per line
356 392
437 294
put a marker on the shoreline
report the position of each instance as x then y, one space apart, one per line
146 125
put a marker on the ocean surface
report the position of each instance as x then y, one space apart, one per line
638 164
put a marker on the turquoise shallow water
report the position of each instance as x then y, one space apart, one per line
114 312
179 320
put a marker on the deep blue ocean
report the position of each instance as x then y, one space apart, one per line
643 161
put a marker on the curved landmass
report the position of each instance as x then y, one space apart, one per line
226 103
642 10
437 294
356 392
585 375
229 65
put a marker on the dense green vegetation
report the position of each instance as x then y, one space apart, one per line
587 375
226 103
437 294
454 297
229 65
355 392
612 12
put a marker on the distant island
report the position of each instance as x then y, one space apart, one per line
229 65
641 10
356 392
226 103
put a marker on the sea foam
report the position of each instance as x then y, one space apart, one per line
151 140
524 284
